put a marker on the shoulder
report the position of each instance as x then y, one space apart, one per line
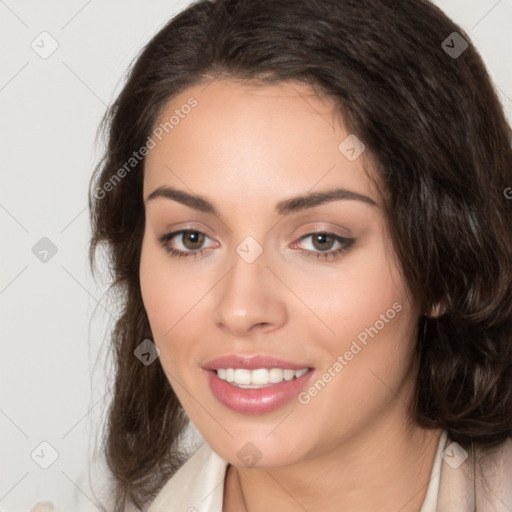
197 486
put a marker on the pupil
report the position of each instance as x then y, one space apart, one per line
196 238
322 238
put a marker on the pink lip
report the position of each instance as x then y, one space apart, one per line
251 362
255 401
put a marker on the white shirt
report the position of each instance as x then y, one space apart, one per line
198 486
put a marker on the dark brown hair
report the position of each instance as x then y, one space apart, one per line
434 125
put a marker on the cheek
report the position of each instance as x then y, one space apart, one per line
353 296
154 286
165 298
172 298
166 291
366 326
374 299
371 350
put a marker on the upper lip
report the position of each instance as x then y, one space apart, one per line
251 362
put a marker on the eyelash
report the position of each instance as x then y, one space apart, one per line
325 255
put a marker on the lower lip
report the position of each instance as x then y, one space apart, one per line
255 401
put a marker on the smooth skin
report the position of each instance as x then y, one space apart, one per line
245 148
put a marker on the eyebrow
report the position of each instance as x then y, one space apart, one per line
284 207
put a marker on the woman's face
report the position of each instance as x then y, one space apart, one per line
251 278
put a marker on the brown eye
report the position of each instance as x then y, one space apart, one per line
322 245
192 240
323 241
189 243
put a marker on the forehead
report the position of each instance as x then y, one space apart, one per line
259 138
247 95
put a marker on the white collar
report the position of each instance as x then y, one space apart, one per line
197 486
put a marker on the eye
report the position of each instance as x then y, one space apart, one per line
191 240
323 242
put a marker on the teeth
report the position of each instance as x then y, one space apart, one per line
262 377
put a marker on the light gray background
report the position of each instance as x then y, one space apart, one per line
50 112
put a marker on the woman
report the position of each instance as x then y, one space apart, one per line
304 206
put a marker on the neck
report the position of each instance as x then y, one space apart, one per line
382 469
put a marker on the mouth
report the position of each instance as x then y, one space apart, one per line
259 378
256 384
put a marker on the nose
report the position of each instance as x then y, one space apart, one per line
249 299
